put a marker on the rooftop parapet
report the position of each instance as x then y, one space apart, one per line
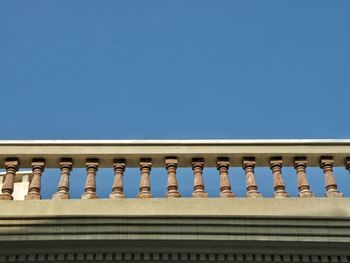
173 228
171 154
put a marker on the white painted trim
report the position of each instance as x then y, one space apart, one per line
179 142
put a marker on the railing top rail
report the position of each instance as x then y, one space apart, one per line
182 142
133 150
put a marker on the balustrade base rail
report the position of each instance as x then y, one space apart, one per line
180 207
323 220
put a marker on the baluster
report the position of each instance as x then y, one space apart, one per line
347 164
198 188
66 165
300 164
278 183
11 166
118 189
326 163
248 165
171 165
38 166
145 185
90 184
222 165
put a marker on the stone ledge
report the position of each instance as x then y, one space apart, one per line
185 150
181 207
287 220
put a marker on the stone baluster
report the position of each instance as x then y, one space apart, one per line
222 164
11 166
248 165
347 164
326 163
38 166
171 165
198 188
145 184
90 184
66 165
118 189
278 183
303 184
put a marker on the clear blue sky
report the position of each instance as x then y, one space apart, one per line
174 69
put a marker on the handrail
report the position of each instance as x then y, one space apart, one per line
133 150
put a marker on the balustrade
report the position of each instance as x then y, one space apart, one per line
198 155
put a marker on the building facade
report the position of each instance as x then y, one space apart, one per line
304 228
